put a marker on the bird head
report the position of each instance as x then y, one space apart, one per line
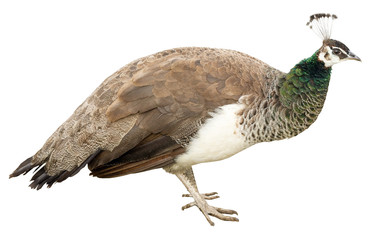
332 51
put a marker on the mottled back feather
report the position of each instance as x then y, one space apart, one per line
168 94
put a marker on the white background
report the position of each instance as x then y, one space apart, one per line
318 185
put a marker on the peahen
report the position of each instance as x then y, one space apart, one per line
185 106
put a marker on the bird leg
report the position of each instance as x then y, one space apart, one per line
188 179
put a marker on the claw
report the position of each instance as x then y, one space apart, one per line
206 196
211 197
188 179
210 194
226 211
191 204
208 210
224 217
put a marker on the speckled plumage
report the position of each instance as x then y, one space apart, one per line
166 94
292 105
167 97
185 106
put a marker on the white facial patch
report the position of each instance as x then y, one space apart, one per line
328 57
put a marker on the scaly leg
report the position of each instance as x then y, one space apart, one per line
188 179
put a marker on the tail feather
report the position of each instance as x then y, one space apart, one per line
50 181
41 177
38 173
23 168
88 160
124 168
129 168
38 182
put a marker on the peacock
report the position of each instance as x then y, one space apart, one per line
186 106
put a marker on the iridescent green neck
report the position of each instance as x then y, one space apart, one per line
302 93
308 78
300 96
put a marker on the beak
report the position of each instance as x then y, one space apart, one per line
352 56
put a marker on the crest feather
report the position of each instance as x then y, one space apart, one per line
321 24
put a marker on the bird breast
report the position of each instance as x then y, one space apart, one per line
218 138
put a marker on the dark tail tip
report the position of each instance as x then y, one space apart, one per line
41 177
23 168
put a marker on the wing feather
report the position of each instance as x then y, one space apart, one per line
166 94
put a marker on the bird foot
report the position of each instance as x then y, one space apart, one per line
208 210
207 196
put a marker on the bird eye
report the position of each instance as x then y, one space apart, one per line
336 51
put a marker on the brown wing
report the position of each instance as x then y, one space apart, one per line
173 96
149 108
172 90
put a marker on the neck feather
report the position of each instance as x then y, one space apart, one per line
309 78
302 93
299 98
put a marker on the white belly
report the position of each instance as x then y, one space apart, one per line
217 139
